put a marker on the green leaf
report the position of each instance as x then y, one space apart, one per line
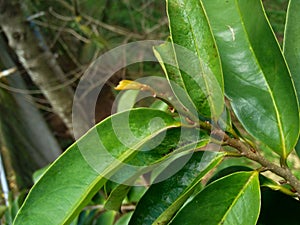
257 80
121 191
162 200
106 218
136 192
234 199
72 180
222 172
126 100
124 220
195 63
118 193
116 197
86 217
267 182
291 46
158 104
37 174
291 42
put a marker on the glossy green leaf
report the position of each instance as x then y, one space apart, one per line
181 100
85 217
195 64
124 220
162 200
291 43
291 46
37 174
234 199
284 188
257 80
158 104
72 180
119 193
116 197
106 218
222 172
137 192
127 100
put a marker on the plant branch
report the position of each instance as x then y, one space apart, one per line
250 153
246 149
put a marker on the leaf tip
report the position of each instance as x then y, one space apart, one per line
129 85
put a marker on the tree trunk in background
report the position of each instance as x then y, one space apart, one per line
27 144
35 125
21 154
38 61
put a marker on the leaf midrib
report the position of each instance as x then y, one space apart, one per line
255 173
191 187
114 166
176 59
207 90
212 106
279 122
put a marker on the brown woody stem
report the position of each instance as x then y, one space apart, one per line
248 152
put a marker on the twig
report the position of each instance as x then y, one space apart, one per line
76 74
157 26
115 29
60 17
67 30
254 155
102 209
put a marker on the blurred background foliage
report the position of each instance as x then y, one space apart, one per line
76 32
276 11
